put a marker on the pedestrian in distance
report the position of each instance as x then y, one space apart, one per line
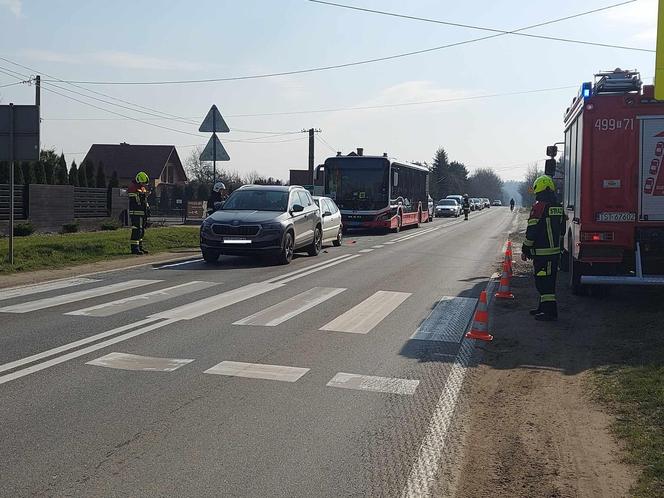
217 197
511 204
466 206
139 211
542 245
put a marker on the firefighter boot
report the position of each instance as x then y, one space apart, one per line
135 249
546 317
143 249
534 312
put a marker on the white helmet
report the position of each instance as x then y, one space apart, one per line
219 186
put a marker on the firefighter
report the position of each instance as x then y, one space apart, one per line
139 211
542 245
465 206
217 195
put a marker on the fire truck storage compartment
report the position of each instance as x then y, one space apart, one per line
651 171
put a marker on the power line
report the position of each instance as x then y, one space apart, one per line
355 63
325 143
492 30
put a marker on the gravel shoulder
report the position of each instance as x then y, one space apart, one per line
534 424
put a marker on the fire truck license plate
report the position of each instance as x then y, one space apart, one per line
616 217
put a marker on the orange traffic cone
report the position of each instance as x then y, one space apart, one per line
480 328
504 291
508 256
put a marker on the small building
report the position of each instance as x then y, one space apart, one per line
161 162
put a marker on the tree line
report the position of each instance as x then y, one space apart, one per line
452 177
51 169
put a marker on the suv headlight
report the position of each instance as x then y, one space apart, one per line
206 226
271 226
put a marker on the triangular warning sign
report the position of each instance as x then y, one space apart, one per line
214 151
213 122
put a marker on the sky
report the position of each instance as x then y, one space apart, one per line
141 41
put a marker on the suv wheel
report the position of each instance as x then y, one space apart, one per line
210 256
340 237
317 244
286 254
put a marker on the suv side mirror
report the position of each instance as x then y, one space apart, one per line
297 208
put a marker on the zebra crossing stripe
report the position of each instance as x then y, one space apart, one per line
279 313
372 383
369 313
129 303
125 361
50 302
258 371
45 287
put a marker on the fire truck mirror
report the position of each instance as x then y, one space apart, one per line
551 151
550 167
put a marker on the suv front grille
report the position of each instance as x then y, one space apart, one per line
244 230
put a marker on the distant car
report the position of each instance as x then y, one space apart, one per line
332 227
448 207
263 219
497 202
431 208
486 202
654 166
659 148
650 183
479 205
456 197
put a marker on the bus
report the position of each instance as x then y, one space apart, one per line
377 192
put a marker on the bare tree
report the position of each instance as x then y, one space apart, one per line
197 170
526 188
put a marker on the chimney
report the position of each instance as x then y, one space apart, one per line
384 154
360 151
338 154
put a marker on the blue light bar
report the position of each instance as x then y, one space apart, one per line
586 90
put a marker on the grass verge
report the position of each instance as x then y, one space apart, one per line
39 252
633 389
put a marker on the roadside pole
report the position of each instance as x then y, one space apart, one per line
11 185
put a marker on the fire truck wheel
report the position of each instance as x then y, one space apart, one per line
575 271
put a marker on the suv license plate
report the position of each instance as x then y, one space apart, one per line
236 240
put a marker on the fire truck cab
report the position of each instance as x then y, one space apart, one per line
613 183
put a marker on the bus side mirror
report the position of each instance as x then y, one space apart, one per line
395 179
552 151
550 167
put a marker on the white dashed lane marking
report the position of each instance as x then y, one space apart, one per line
124 361
279 313
366 250
49 302
258 371
369 313
376 384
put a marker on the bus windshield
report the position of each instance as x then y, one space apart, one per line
358 185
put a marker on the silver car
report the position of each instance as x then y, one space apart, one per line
332 227
448 207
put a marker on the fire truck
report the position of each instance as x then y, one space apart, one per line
614 184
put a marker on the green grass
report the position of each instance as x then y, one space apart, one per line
632 386
38 252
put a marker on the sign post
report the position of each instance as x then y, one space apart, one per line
659 55
19 141
214 151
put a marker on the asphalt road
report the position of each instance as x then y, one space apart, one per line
320 378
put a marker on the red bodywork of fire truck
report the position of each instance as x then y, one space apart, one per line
614 183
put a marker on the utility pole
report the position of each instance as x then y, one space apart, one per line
37 90
311 157
11 184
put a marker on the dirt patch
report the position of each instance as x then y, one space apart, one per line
533 427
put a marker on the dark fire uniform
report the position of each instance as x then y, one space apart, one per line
542 244
138 213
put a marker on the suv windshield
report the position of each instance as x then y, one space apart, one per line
257 200
448 202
